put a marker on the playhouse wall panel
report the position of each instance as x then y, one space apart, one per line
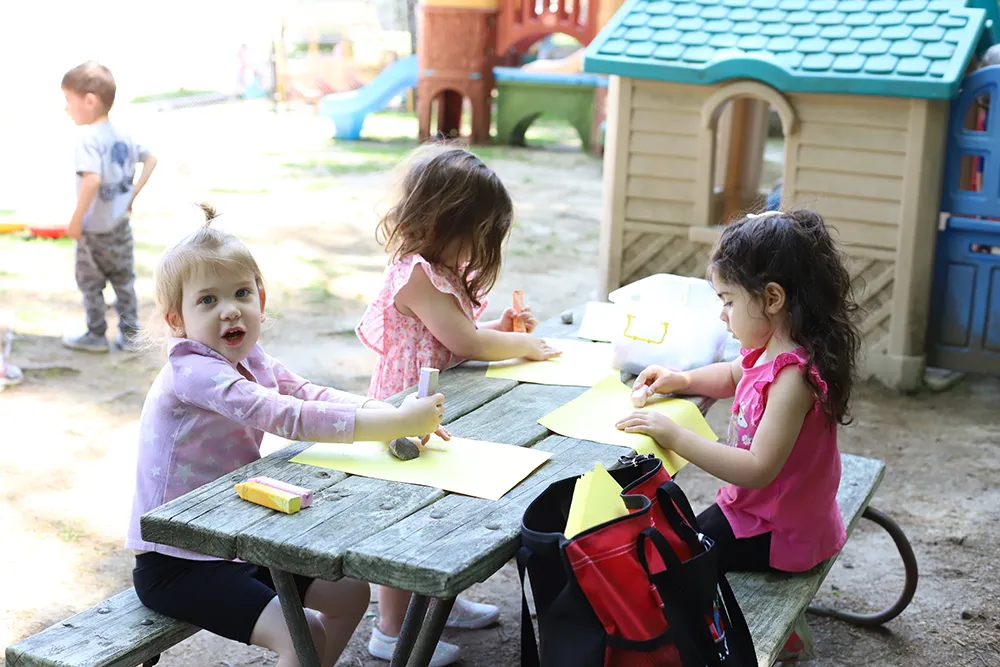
849 160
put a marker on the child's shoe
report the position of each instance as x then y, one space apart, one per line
9 375
472 615
793 651
86 342
383 646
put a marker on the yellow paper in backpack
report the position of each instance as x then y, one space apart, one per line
597 499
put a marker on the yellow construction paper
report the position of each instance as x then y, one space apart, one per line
597 498
593 415
581 364
470 467
602 321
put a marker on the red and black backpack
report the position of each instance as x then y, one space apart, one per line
643 590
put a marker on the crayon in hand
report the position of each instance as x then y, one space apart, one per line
518 307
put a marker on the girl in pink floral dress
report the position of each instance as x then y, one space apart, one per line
446 234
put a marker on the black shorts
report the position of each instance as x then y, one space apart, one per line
750 554
220 596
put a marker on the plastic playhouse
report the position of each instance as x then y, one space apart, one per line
864 90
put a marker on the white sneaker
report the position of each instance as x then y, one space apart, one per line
382 646
9 375
472 615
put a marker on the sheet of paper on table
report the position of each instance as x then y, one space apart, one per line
593 415
470 467
602 321
581 364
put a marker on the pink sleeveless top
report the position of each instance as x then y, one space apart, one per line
799 507
403 344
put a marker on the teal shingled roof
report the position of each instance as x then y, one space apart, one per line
902 48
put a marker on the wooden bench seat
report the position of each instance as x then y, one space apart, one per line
118 632
772 603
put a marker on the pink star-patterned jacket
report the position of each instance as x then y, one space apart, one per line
203 418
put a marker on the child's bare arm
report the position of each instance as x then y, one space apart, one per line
789 400
441 314
90 183
148 165
714 381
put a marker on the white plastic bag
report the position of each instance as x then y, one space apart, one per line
672 321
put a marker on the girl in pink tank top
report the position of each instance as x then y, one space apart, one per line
446 234
787 298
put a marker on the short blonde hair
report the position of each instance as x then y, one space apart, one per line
206 246
92 77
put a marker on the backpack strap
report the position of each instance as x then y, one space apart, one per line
679 523
691 635
529 645
681 502
738 635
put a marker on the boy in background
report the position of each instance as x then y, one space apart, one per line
105 160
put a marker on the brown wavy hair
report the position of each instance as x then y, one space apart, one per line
447 194
795 250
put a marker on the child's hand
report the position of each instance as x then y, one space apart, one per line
658 426
509 316
442 433
539 350
75 230
421 415
656 380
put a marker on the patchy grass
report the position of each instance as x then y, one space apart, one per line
238 191
171 95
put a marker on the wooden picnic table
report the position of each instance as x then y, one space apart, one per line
416 538
437 544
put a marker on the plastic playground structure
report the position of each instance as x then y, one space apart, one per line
349 110
460 43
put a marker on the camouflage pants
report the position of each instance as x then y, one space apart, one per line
102 258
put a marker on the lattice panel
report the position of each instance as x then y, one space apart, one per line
873 281
646 253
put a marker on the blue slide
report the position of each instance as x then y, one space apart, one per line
349 110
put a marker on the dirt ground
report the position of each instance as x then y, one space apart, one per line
307 208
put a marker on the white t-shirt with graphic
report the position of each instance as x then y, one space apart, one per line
104 149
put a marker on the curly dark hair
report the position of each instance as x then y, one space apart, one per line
448 194
795 250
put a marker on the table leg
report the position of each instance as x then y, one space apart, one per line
295 617
412 623
429 636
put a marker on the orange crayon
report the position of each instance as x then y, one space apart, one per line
518 307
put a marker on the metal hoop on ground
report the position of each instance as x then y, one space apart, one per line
909 585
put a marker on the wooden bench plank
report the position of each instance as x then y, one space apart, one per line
771 602
459 540
119 632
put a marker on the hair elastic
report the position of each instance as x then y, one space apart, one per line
765 215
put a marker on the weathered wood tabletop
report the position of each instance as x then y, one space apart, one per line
412 537
403 535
